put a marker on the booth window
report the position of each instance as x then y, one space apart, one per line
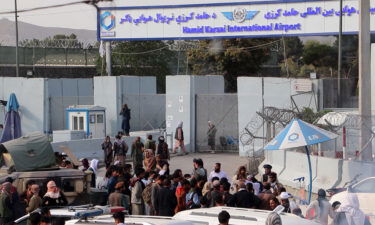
99 118
92 118
81 123
75 123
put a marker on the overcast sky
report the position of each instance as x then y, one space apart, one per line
78 16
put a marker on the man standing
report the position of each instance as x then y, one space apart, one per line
120 149
166 200
36 200
113 180
199 172
136 198
5 204
265 197
154 192
117 198
125 125
137 153
275 185
211 136
267 172
162 150
217 172
150 144
108 151
179 138
243 198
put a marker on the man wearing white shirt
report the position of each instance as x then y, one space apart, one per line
217 172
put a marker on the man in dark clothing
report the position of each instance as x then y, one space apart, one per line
265 197
6 213
243 198
267 172
112 181
226 193
166 200
162 150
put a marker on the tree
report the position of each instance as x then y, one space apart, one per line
349 55
141 58
57 41
229 57
319 55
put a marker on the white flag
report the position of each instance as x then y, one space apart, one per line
101 49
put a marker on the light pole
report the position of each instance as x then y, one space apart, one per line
16 20
339 60
364 81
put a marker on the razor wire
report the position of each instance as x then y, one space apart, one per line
276 116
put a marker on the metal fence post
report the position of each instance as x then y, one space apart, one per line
66 56
85 51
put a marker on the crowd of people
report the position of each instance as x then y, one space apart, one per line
14 204
147 186
155 190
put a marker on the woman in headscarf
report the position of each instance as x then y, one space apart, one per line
93 167
179 138
320 209
137 153
348 213
108 151
54 197
150 160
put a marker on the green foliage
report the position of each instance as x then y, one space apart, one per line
127 61
229 57
308 115
349 55
319 55
57 41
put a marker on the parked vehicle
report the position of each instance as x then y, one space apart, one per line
365 192
241 216
332 191
31 157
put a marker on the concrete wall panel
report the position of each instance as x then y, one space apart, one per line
31 97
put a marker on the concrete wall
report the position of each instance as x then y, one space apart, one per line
221 109
65 92
327 172
180 102
138 92
373 77
148 111
31 95
254 92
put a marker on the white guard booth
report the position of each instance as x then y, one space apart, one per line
88 118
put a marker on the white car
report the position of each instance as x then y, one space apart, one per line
129 220
241 216
365 190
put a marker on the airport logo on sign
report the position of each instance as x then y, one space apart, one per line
240 15
107 26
